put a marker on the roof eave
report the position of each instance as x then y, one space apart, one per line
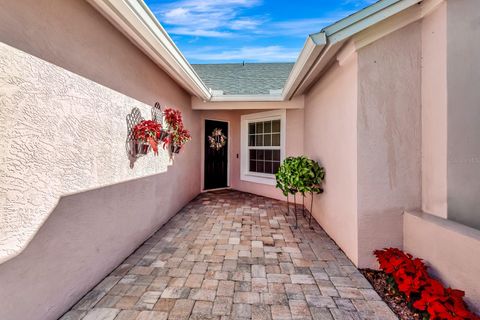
313 60
134 19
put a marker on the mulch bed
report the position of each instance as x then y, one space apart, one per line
378 279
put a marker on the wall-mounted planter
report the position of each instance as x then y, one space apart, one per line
164 134
139 148
175 148
166 127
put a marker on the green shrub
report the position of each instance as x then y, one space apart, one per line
300 174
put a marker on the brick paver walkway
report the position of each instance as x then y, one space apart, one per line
232 255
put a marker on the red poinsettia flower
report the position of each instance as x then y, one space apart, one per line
173 118
426 294
178 134
148 131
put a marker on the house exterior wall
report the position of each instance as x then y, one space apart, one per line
434 112
450 248
293 147
65 93
463 147
389 139
330 137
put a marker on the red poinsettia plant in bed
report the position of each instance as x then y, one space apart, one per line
410 278
148 131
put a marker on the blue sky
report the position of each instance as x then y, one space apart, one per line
219 31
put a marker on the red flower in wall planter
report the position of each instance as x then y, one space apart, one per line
147 133
178 135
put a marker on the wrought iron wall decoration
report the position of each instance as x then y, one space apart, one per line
133 149
166 128
157 113
151 132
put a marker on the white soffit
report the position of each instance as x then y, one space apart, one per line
138 23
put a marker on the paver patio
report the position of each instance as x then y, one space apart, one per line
233 255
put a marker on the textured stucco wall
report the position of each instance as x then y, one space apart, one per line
293 146
68 78
389 139
434 112
463 70
331 138
59 134
451 250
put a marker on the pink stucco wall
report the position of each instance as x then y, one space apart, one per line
362 121
389 139
331 138
90 233
434 112
451 249
293 146
463 94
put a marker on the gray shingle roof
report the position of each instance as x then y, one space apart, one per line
244 79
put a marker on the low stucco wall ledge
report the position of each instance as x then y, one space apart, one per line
451 250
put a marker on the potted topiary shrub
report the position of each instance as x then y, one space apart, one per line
300 175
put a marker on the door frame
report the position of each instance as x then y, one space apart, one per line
202 188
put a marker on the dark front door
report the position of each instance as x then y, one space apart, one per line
216 154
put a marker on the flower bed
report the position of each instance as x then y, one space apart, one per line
407 279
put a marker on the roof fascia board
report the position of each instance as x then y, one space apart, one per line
325 59
335 36
137 22
304 62
294 103
372 19
358 16
386 27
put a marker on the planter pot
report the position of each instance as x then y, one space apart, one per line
175 148
140 147
164 134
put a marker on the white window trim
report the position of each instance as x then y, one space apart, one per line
245 174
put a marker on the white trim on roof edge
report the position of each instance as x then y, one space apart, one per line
331 39
137 22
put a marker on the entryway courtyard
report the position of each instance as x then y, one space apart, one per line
234 255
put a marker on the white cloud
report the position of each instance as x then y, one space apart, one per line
200 32
206 18
302 27
245 24
177 13
359 3
251 54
